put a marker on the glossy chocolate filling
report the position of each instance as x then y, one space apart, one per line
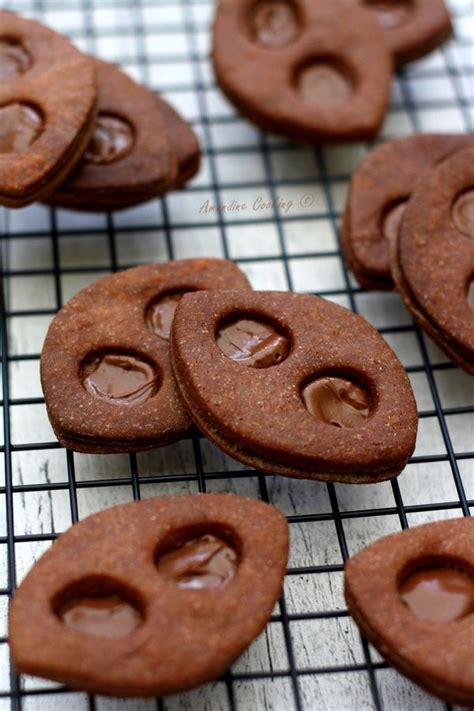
14 59
275 23
470 295
20 126
463 213
160 314
112 140
108 616
253 343
120 379
337 402
390 13
324 83
204 563
439 594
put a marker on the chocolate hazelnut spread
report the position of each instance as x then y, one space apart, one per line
100 616
160 315
120 379
112 140
14 59
252 343
463 213
20 126
324 83
200 564
275 23
337 402
439 594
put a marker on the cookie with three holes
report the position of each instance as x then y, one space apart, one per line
140 149
412 28
151 598
380 190
312 71
47 109
412 595
105 369
432 261
294 385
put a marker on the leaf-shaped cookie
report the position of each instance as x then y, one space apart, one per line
151 598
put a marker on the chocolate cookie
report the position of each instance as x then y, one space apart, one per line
139 150
151 598
184 143
433 260
47 109
105 367
412 27
294 385
313 71
380 189
412 595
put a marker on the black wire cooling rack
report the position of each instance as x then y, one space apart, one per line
311 656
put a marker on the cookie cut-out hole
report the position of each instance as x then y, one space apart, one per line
438 592
392 219
324 82
14 59
119 378
390 13
463 213
98 608
112 140
275 23
253 343
20 126
160 313
198 559
336 401
470 294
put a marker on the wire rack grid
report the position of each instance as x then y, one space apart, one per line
280 224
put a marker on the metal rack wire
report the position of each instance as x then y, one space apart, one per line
48 254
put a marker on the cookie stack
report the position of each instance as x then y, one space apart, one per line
285 383
320 71
78 133
409 224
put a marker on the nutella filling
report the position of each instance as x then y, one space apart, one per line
110 616
325 84
392 221
160 314
337 402
20 126
439 594
463 213
390 13
204 563
252 343
470 295
112 140
14 59
120 379
275 23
